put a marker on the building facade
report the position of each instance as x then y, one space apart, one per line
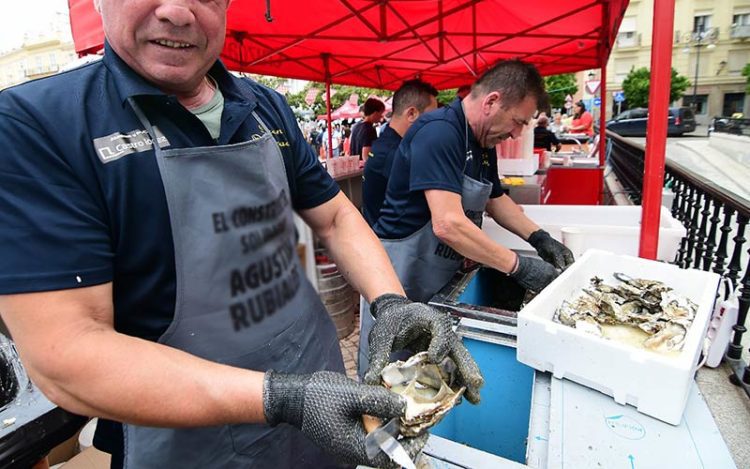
38 57
711 46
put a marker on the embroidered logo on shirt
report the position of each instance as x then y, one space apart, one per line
115 146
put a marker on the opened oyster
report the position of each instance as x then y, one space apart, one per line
428 388
649 306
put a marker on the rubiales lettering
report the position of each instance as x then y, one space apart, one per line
272 282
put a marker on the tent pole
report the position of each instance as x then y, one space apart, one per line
656 131
327 71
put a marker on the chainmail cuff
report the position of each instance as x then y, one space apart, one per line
386 300
284 398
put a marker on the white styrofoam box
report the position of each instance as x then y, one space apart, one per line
518 166
614 228
656 384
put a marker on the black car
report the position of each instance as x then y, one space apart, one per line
632 123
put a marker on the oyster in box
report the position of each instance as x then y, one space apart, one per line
653 297
429 390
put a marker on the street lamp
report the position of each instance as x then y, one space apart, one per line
698 39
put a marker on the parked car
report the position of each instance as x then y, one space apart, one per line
632 123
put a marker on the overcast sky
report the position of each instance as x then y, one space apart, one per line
18 17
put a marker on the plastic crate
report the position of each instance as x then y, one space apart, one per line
607 227
656 384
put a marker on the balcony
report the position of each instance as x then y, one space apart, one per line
629 39
40 71
740 31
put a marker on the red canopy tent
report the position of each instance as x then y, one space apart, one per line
446 42
379 44
348 110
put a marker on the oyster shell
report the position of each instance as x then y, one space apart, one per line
648 305
428 388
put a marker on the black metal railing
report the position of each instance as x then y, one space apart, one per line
716 221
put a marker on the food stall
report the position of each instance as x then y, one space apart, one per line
529 419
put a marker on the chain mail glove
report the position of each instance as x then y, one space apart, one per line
551 250
533 274
328 407
400 324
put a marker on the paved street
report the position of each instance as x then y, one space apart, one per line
731 172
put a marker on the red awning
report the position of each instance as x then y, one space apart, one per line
379 44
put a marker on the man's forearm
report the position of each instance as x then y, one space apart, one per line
130 380
511 217
470 241
358 253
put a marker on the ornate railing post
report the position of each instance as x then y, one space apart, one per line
741 376
704 204
721 251
692 225
708 256
734 266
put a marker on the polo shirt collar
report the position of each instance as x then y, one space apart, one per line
130 84
459 110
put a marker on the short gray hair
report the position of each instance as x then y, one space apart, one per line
515 80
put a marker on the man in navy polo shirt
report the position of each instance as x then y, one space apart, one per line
444 178
363 132
148 271
412 99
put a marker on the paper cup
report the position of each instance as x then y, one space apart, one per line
574 239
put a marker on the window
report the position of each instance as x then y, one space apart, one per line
699 104
627 35
638 113
701 23
736 61
741 19
53 59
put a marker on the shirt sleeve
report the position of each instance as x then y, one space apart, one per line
55 234
436 158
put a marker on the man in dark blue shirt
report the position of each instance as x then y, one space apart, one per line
412 99
445 176
148 271
363 132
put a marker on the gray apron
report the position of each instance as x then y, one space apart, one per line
423 263
242 299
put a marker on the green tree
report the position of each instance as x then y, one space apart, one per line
636 87
746 73
559 86
446 96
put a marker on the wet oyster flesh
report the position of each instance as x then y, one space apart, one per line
428 388
650 306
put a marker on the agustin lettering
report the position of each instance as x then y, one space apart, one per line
265 303
263 272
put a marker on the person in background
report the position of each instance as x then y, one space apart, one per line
363 132
444 177
412 99
556 126
463 91
583 122
149 268
543 137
